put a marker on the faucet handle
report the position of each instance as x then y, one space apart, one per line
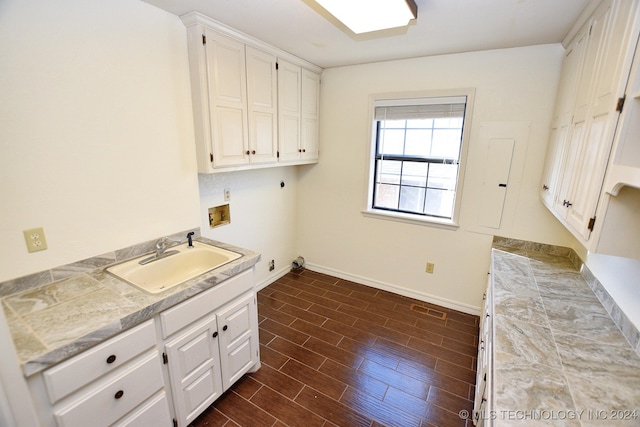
162 243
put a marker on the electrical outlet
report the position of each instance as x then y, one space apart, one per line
272 265
430 267
227 194
35 239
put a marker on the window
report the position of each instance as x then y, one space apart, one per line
418 146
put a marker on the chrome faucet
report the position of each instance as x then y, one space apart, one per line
161 246
161 250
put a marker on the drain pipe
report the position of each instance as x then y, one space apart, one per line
297 264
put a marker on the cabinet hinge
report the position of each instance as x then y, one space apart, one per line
175 423
620 104
165 358
204 39
211 157
592 223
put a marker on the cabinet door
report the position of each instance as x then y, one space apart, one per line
289 110
310 114
553 164
608 85
227 99
483 341
572 151
576 137
480 414
483 371
565 102
194 369
262 101
238 327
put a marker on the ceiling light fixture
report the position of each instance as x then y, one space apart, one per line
363 16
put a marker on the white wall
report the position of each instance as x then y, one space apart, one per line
513 86
619 276
96 133
97 147
263 215
96 137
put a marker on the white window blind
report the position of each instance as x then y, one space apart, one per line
436 108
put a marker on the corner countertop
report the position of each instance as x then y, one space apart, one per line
559 359
53 322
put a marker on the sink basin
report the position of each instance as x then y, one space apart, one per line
171 270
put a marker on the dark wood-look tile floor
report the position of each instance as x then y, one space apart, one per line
337 353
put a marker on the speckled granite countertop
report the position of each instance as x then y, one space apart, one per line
52 322
559 359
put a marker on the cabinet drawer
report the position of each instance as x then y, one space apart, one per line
111 400
155 412
69 376
193 309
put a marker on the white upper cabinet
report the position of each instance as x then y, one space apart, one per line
262 94
227 84
298 95
254 106
563 116
594 76
610 40
310 115
625 166
289 109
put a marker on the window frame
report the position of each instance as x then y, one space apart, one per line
413 98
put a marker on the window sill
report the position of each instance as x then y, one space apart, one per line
411 219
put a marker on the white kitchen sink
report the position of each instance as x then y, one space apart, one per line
172 269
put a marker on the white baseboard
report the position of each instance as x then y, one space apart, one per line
272 278
465 308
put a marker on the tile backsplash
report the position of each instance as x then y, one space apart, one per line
45 277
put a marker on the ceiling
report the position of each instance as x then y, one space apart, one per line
304 29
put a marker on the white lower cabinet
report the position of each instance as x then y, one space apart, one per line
194 369
238 340
210 355
482 402
111 400
210 341
154 412
200 347
117 383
